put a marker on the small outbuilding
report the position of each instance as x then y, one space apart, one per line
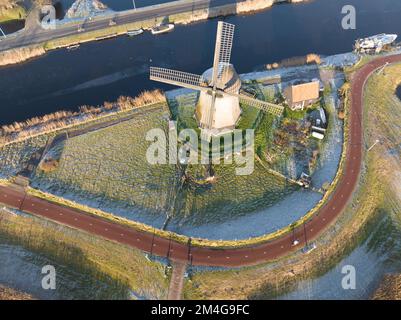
301 95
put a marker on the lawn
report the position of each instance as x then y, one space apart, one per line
15 157
110 165
87 266
15 12
231 195
107 169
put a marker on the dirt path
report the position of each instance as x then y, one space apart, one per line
177 280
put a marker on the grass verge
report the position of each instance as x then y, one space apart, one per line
120 268
16 12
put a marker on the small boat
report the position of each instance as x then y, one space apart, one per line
374 44
132 33
73 47
107 36
163 28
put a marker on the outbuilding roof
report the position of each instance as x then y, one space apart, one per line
304 92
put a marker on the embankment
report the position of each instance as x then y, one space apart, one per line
19 55
19 131
7 293
390 288
245 7
11 11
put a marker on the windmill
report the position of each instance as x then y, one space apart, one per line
218 108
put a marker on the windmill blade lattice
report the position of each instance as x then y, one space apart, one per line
222 51
177 78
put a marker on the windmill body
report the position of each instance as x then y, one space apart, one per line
218 109
227 111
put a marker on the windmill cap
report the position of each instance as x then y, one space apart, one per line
227 79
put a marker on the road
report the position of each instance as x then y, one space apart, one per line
124 17
243 256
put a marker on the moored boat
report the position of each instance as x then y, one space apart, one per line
162 28
374 44
132 33
73 47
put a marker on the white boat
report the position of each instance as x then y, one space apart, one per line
374 43
73 47
162 28
132 33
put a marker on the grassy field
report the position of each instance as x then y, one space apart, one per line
97 268
110 165
183 109
232 195
379 193
11 294
390 289
249 117
14 157
14 12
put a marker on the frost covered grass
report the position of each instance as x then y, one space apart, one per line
232 195
19 131
15 157
21 140
182 106
107 169
110 165
380 95
88 267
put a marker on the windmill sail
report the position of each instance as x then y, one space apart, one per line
222 51
263 105
222 55
177 78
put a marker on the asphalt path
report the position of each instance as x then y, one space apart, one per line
243 256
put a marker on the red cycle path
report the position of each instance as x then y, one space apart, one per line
243 256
